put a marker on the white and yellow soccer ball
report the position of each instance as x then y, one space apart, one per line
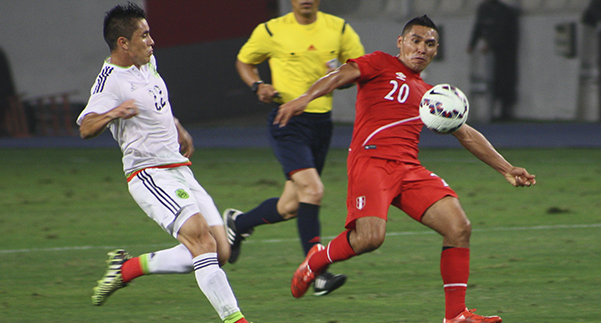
444 108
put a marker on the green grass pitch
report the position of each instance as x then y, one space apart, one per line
535 251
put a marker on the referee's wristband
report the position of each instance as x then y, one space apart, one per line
255 86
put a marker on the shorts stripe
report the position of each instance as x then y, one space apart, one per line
158 192
203 263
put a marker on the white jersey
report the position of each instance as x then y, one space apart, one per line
150 138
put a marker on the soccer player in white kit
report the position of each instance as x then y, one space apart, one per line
130 98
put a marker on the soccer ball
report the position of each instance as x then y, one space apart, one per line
444 109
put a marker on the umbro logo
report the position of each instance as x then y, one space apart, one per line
401 76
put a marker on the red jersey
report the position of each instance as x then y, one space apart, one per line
387 123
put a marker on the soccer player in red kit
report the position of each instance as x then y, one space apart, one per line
383 168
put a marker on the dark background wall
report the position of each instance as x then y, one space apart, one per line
192 42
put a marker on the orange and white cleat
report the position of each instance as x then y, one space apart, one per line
304 276
468 316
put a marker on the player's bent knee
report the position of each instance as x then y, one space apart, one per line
223 253
199 244
195 234
459 234
367 242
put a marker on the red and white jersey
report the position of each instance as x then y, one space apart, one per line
387 123
150 138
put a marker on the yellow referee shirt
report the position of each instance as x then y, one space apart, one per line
299 54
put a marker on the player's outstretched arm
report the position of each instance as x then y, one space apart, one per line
479 146
346 73
93 124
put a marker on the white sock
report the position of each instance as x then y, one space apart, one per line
214 284
176 260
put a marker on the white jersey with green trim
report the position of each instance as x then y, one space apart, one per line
150 138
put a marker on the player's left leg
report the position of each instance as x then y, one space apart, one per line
196 235
447 217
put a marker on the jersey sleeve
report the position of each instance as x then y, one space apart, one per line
351 44
258 47
104 95
368 65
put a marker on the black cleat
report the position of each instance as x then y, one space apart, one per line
327 282
234 237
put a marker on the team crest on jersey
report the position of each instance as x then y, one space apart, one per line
182 194
360 202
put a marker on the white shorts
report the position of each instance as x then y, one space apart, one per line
170 196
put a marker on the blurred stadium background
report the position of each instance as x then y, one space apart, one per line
55 50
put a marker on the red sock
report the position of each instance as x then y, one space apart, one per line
455 271
131 269
337 250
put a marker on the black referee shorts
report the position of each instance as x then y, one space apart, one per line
304 141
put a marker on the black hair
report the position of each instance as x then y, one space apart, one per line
121 21
420 21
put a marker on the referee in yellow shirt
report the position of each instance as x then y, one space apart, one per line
301 47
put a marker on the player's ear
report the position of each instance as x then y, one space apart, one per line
123 43
399 41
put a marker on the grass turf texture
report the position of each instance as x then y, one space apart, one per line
534 251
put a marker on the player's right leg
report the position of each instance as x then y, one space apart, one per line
368 234
196 235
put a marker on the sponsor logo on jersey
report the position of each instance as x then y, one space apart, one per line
401 76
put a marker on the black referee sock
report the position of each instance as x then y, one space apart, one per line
265 213
308 225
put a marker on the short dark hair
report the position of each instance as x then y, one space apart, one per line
121 21
419 21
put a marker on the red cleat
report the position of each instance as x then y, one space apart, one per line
304 276
468 316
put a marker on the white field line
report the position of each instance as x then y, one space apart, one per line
390 234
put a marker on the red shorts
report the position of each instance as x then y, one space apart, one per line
374 184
